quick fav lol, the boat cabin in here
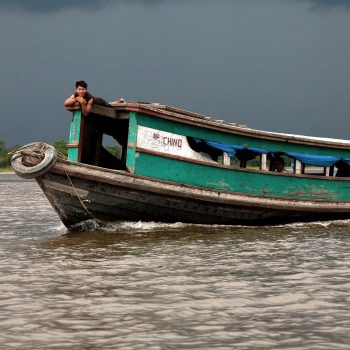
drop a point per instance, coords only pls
(100, 138)
(113, 137)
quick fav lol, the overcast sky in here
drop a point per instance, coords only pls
(279, 65)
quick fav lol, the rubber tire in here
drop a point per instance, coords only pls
(36, 170)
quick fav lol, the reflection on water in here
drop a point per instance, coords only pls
(159, 286)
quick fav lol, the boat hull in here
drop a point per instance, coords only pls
(80, 192)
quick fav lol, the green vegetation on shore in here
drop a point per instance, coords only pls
(5, 157)
(60, 145)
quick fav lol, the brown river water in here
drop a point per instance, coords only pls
(137, 285)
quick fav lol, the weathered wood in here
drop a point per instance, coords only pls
(116, 195)
(104, 111)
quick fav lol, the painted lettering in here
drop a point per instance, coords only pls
(169, 141)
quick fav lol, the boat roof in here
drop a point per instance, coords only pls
(236, 127)
(201, 120)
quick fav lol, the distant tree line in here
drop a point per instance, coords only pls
(5, 157)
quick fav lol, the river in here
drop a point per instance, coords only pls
(137, 285)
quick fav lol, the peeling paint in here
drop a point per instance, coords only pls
(222, 184)
(311, 191)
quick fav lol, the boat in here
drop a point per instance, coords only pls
(173, 165)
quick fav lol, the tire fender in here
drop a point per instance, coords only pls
(27, 172)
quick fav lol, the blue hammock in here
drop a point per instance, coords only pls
(251, 152)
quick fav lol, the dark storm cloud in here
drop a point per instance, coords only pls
(44, 6)
(275, 65)
(47, 6)
(328, 4)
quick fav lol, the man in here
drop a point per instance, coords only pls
(278, 165)
(82, 96)
(85, 99)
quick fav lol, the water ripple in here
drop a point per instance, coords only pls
(135, 285)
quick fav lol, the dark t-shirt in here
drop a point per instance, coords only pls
(87, 96)
(97, 100)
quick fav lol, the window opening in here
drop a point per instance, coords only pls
(281, 164)
(263, 159)
(342, 169)
(111, 145)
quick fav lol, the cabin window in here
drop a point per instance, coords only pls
(241, 161)
(234, 161)
(111, 145)
(248, 159)
(342, 169)
(253, 164)
(307, 169)
(110, 153)
(201, 147)
(263, 159)
(313, 170)
(105, 142)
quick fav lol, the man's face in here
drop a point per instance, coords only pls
(277, 165)
(81, 91)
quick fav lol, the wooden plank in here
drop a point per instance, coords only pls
(116, 200)
(105, 111)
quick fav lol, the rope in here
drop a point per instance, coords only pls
(81, 202)
(36, 151)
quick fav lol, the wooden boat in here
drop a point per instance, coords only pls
(179, 166)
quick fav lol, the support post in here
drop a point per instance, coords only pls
(226, 160)
(298, 167)
(74, 137)
(263, 161)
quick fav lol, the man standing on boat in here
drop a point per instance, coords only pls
(85, 99)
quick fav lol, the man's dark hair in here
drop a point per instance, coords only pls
(81, 83)
(279, 160)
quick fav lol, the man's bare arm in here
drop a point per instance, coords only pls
(85, 106)
(70, 101)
